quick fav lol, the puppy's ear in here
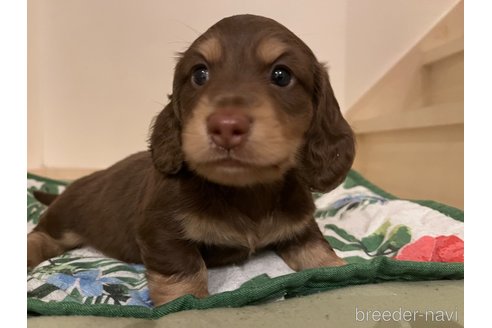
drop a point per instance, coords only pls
(165, 141)
(329, 148)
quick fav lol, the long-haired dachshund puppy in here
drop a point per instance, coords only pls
(252, 127)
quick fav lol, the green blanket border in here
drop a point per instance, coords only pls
(450, 211)
(262, 289)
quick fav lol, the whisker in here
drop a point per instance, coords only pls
(188, 26)
(179, 42)
(158, 102)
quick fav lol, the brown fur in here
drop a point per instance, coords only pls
(178, 208)
(268, 161)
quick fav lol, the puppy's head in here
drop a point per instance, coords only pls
(251, 102)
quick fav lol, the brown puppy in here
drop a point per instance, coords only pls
(251, 129)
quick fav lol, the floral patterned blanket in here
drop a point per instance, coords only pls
(383, 238)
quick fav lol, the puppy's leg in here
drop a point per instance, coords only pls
(222, 255)
(310, 250)
(174, 268)
(164, 288)
(41, 246)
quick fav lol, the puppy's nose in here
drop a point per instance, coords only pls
(228, 130)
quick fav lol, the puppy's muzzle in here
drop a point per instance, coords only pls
(228, 128)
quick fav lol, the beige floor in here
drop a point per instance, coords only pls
(426, 303)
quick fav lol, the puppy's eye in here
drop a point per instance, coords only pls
(281, 76)
(200, 75)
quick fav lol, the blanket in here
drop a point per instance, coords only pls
(383, 238)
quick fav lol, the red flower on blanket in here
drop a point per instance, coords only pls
(433, 249)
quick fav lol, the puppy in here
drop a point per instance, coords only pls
(252, 127)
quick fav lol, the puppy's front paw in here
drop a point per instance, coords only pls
(333, 261)
(164, 288)
(315, 253)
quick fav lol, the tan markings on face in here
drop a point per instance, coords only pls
(211, 50)
(164, 288)
(268, 153)
(270, 49)
(241, 232)
(314, 254)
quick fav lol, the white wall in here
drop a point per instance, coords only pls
(379, 33)
(99, 70)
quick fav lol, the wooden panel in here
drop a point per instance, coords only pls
(444, 50)
(447, 31)
(400, 89)
(443, 80)
(436, 115)
(409, 125)
(422, 163)
(405, 86)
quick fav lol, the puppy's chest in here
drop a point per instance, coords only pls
(241, 231)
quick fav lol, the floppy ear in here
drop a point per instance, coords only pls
(329, 148)
(165, 141)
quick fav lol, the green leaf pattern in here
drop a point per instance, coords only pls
(376, 244)
(35, 208)
(100, 280)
